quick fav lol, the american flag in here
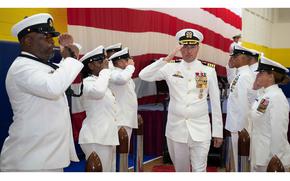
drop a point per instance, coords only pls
(150, 34)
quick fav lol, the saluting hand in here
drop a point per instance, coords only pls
(65, 40)
(67, 48)
(70, 51)
(130, 62)
(171, 55)
(217, 142)
(256, 85)
(105, 64)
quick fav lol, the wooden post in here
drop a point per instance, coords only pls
(244, 151)
(94, 164)
(122, 151)
(138, 146)
(275, 165)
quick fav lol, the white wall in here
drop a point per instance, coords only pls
(281, 35)
(256, 26)
(281, 28)
(266, 26)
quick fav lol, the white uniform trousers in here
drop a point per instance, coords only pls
(192, 152)
(43, 170)
(129, 132)
(235, 139)
(105, 153)
(259, 169)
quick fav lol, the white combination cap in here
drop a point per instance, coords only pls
(189, 36)
(114, 48)
(267, 64)
(239, 49)
(122, 54)
(94, 55)
(237, 36)
(39, 23)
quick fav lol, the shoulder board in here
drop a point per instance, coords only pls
(175, 61)
(208, 64)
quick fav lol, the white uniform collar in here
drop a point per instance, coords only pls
(271, 88)
(117, 68)
(243, 69)
(193, 63)
(254, 66)
(92, 75)
(26, 53)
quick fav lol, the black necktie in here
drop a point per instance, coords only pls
(39, 60)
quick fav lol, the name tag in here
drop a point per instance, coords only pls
(233, 84)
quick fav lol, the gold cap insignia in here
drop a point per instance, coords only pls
(189, 34)
(50, 22)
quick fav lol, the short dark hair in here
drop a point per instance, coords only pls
(86, 71)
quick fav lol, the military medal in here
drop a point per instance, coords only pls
(263, 105)
(234, 82)
(201, 82)
(200, 93)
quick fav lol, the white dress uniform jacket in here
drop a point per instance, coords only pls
(238, 105)
(123, 88)
(270, 118)
(253, 94)
(253, 68)
(101, 109)
(231, 73)
(40, 136)
(187, 113)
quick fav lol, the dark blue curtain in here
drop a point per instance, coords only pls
(286, 88)
(8, 52)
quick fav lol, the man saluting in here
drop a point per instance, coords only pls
(40, 136)
(188, 128)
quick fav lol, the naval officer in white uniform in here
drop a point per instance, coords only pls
(40, 136)
(123, 88)
(99, 130)
(238, 104)
(110, 50)
(270, 117)
(231, 72)
(188, 128)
